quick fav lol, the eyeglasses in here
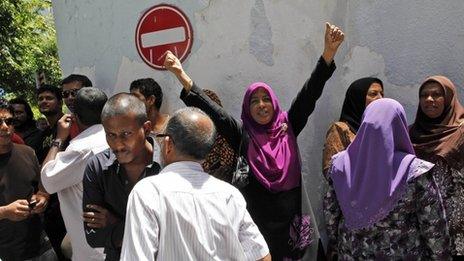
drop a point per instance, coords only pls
(162, 135)
(7, 121)
(72, 92)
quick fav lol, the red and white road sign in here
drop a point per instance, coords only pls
(162, 28)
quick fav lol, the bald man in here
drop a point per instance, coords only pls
(111, 175)
(183, 213)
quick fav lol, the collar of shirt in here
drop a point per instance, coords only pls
(185, 168)
(92, 130)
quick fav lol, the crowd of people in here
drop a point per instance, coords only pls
(116, 179)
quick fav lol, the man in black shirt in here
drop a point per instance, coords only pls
(21, 233)
(50, 104)
(26, 128)
(111, 175)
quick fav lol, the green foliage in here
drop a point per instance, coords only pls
(27, 46)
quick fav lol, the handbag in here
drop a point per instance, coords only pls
(240, 177)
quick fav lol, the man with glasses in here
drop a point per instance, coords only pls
(22, 236)
(70, 86)
(111, 175)
(184, 213)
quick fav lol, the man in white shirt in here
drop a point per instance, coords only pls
(183, 213)
(63, 171)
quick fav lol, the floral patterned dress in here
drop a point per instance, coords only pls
(451, 185)
(337, 139)
(415, 230)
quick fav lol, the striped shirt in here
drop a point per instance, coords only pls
(185, 214)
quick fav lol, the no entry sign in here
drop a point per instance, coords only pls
(162, 28)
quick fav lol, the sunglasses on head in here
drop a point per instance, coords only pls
(72, 92)
(7, 121)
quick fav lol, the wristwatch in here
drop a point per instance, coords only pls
(57, 143)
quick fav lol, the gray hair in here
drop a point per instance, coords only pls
(123, 104)
(190, 138)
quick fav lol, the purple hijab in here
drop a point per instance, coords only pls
(273, 153)
(371, 175)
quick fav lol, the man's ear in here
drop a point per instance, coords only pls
(75, 117)
(147, 128)
(169, 146)
(151, 100)
(77, 121)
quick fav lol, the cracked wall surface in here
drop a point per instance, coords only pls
(237, 43)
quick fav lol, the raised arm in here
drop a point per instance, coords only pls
(55, 173)
(305, 102)
(333, 38)
(194, 96)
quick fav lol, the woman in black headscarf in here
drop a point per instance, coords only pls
(341, 133)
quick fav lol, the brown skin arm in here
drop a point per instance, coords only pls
(64, 126)
(15, 211)
(266, 258)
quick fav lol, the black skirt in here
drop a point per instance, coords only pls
(279, 218)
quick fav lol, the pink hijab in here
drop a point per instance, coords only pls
(273, 153)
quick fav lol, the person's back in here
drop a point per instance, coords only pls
(183, 213)
(413, 230)
(385, 206)
(201, 216)
(63, 169)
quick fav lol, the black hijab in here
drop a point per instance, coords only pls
(355, 102)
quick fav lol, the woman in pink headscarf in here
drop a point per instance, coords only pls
(268, 137)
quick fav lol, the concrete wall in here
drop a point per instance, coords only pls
(276, 41)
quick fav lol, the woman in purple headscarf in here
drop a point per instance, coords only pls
(382, 203)
(268, 137)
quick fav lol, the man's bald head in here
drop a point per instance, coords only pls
(124, 104)
(192, 131)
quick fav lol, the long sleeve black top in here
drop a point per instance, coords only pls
(300, 110)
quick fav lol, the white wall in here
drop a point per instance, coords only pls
(276, 41)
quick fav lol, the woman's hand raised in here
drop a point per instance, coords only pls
(334, 37)
(172, 64)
